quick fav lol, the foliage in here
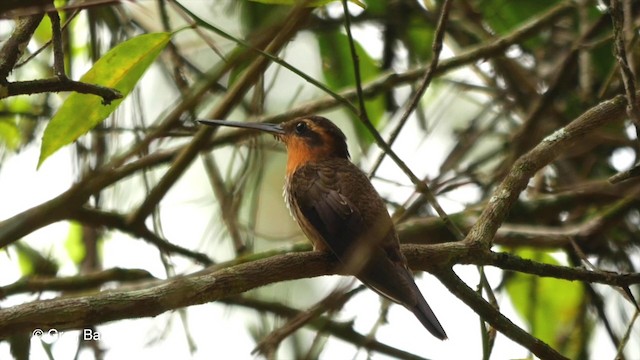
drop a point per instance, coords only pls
(120, 68)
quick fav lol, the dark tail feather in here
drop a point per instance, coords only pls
(394, 281)
(426, 316)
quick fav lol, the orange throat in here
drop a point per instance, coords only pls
(298, 154)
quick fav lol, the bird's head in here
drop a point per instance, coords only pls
(308, 139)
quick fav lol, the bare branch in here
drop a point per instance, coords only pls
(236, 277)
(39, 86)
(74, 283)
(494, 317)
(14, 47)
(113, 221)
(340, 330)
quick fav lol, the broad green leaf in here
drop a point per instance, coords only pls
(337, 67)
(550, 306)
(43, 32)
(73, 244)
(312, 3)
(419, 39)
(10, 136)
(377, 7)
(120, 68)
(19, 104)
(504, 15)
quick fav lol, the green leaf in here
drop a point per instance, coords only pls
(377, 7)
(10, 135)
(120, 68)
(419, 39)
(43, 32)
(74, 244)
(24, 261)
(337, 66)
(504, 15)
(550, 306)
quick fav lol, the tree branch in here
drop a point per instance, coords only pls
(73, 283)
(205, 286)
(506, 261)
(14, 47)
(526, 166)
(340, 330)
(59, 84)
(243, 274)
(113, 221)
(494, 317)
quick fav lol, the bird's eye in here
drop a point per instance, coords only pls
(301, 128)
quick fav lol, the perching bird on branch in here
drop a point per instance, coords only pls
(340, 211)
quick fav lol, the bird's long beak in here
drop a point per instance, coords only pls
(275, 129)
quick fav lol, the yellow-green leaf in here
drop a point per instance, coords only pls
(10, 136)
(26, 267)
(74, 244)
(120, 68)
(550, 306)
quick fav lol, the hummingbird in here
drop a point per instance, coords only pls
(339, 210)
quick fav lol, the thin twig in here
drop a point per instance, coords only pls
(233, 96)
(436, 49)
(494, 317)
(274, 58)
(14, 47)
(224, 200)
(526, 166)
(340, 330)
(628, 77)
(421, 186)
(627, 335)
(56, 38)
(526, 135)
(118, 222)
(506, 261)
(335, 300)
(74, 283)
(46, 44)
(625, 175)
(21, 10)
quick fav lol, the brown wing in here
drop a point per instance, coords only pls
(343, 209)
(316, 194)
